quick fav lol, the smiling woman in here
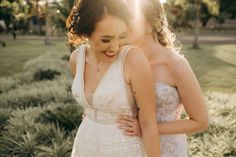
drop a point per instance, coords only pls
(104, 81)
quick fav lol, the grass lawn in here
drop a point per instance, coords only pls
(214, 65)
(17, 52)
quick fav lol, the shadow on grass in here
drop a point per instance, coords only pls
(212, 68)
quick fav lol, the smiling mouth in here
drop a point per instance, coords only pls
(110, 53)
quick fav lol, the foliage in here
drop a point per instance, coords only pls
(182, 12)
(220, 139)
(40, 118)
(45, 75)
(25, 137)
(13, 10)
(5, 114)
(66, 116)
(62, 10)
(36, 94)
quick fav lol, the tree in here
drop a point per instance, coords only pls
(189, 10)
(57, 14)
(48, 30)
(213, 8)
(13, 11)
(62, 10)
(197, 25)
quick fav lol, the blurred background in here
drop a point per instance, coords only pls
(38, 115)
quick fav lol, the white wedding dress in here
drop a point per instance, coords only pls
(98, 134)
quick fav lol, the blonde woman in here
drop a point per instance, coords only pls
(175, 83)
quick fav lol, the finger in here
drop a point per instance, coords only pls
(127, 123)
(125, 117)
(126, 128)
(130, 134)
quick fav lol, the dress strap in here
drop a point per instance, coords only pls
(80, 58)
(124, 52)
(128, 90)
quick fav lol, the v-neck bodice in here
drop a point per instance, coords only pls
(112, 95)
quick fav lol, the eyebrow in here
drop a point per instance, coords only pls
(109, 36)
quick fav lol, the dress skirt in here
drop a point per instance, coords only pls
(95, 139)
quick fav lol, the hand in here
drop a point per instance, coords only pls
(129, 125)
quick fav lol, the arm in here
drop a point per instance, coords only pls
(192, 98)
(140, 77)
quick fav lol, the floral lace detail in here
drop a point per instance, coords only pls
(169, 109)
(169, 104)
(105, 140)
(112, 95)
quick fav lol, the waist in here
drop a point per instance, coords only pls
(105, 117)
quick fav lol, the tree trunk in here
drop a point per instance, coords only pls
(38, 19)
(48, 30)
(197, 26)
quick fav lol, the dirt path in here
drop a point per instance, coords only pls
(185, 38)
(214, 38)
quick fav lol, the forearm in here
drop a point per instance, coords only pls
(181, 126)
(151, 141)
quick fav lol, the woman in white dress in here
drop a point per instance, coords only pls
(175, 83)
(109, 82)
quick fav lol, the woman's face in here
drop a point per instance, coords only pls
(108, 36)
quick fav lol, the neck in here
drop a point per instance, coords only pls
(150, 47)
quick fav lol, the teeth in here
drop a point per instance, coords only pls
(110, 53)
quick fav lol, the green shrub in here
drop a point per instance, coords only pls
(66, 57)
(5, 114)
(51, 61)
(47, 134)
(26, 146)
(25, 137)
(45, 75)
(7, 83)
(36, 94)
(67, 116)
(58, 149)
(19, 138)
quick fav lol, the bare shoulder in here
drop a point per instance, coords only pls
(135, 57)
(73, 61)
(177, 64)
(136, 65)
(73, 57)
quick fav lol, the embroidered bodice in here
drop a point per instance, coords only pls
(111, 98)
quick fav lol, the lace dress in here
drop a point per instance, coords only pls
(169, 109)
(98, 134)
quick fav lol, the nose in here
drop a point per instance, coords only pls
(115, 45)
